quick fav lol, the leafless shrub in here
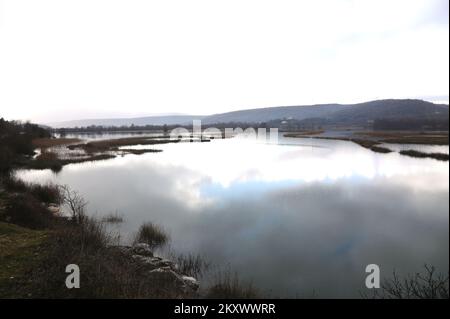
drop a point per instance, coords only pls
(75, 203)
(426, 285)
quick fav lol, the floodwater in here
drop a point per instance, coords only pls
(299, 218)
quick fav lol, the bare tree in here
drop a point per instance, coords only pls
(426, 285)
(75, 203)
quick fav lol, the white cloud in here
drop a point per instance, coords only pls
(75, 59)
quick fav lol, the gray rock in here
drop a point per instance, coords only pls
(191, 282)
(161, 272)
(142, 249)
(162, 263)
(166, 278)
(54, 209)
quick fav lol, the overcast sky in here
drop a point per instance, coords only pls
(62, 60)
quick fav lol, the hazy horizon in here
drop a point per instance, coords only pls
(438, 100)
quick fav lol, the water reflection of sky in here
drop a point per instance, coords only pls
(292, 218)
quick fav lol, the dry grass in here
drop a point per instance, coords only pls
(46, 160)
(96, 150)
(428, 138)
(113, 218)
(113, 144)
(229, 286)
(191, 264)
(139, 152)
(20, 251)
(23, 203)
(25, 210)
(304, 133)
(151, 234)
(44, 143)
(47, 156)
(438, 156)
(50, 160)
(40, 258)
(48, 193)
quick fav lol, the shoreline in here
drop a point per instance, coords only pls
(372, 141)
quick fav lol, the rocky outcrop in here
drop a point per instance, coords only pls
(55, 209)
(162, 271)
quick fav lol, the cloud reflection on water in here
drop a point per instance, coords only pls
(293, 218)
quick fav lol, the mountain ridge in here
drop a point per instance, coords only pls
(350, 114)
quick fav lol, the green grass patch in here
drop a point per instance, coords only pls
(20, 251)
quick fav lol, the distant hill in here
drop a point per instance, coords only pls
(274, 113)
(351, 114)
(331, 114)
(390, 109)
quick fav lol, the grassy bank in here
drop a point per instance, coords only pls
(36, 246)
(21, 250)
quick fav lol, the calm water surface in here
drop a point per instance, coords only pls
(301, 217)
